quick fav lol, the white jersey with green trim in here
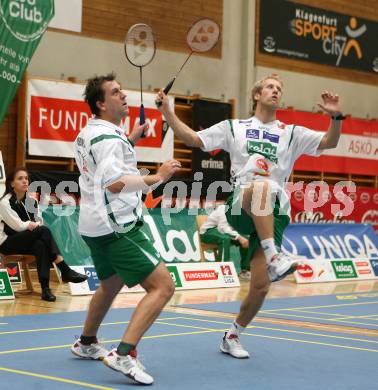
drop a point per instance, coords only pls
(279, 143)
(104, 154)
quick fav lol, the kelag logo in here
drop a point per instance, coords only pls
(344, 269)
(264, 148)
(26, 19)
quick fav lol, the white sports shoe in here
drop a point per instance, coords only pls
(280, 266)
(129, 366)
(231, 345)
(93, 351)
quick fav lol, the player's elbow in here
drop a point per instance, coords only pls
(328, 143)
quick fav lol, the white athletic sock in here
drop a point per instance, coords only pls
(235, 329)
(269, 249)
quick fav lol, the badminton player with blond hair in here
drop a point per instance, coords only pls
(262, 151)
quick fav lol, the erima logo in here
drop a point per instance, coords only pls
(265, 149)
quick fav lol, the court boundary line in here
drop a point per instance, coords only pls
(282, 321)
(54, 378)
(202, 331)
(288, 331)
(64, 327)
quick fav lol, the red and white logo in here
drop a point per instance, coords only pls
(305, 271)
(261, 163)
(370, 216)
(226, 270)
(193, 276)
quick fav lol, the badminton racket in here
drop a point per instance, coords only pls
(140, 49)
(202, 36)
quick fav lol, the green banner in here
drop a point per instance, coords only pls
(174, 234)
(22, 24)
(6, 291)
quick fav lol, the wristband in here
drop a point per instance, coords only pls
(339, 117)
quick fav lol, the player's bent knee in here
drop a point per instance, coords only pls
(168, 289)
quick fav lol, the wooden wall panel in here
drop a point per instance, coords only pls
(169, 19)
(367, 9)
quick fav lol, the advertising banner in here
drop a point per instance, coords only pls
(56, 113)
(14, 273)
(312, 271)
(296, 31)
(357, 150)
(177, 238)
(6, 290)
(214, 164)
(330, 205)
(333, 252)
(331, 241)
(22, 24)
(186, 277)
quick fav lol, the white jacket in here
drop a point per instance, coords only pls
(11, 218)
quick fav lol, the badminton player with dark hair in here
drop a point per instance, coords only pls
(262, 151)
(109, 222)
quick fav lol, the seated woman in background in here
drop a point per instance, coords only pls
(22, 232)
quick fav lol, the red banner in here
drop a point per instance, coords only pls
(357, 151)
(335, 204)
(57, 113)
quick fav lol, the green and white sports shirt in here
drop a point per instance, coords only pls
(279, 143)
(104, 154)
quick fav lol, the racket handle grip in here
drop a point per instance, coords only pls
(169, 86)
(142, 118)
(166, 89)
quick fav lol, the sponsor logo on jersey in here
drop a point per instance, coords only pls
(271, 137)
(252, 133)
(264, 148)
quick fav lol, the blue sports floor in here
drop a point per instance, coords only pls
(356, 310)
(181, 351)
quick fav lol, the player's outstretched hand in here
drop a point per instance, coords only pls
(330, 103)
